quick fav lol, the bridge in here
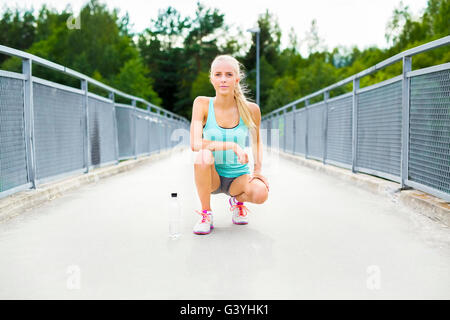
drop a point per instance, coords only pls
(358, 206)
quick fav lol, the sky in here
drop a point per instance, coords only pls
(347, 23)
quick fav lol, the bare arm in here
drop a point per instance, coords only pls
(256, 140)
(257, 146)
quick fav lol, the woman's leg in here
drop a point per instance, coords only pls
(206, 177)
(245, 191)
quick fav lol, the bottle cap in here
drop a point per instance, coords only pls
(173, 194)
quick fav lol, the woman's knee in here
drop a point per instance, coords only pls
(204, 158)
(259, 194)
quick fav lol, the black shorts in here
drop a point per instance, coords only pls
(224, 186)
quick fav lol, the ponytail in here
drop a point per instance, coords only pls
(243, 108)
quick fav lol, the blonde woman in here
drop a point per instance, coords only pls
(219, 128)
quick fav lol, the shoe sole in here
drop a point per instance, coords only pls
(203, 233)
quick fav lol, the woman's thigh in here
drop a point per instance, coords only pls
(256, 189)
(239, 185)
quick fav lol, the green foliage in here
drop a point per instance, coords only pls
(102, 47)
(202, 86)
(133, 79)
(168, 63)
(178, 51)
(17, 30)
(284, 90)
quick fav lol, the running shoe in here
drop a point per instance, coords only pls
(239, 210)
(205, 224)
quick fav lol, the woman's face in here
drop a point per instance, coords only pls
(224, 78)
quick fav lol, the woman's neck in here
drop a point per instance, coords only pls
(224, 101)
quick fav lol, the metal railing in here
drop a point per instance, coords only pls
(49, 130)
(398, 129)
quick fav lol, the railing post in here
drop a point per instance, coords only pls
(307, 125)
(294, 129)
(87, 144)
(116, 127)
(133, 103)
(407, 67)
(158, 116)
(284, 129)
(29, 121)
(354, 123)
(326, 96)
(149, 112)
(166, 129)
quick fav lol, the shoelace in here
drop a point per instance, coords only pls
(243, 210)
(205, 216)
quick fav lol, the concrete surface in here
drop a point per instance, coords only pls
(434, 208)
(19, 202)
(316, 237)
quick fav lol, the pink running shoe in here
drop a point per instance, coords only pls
(240, 211)
(205, 224)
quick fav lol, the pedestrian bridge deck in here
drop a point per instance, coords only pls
(316, 237)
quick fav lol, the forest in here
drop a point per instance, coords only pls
(168, 63)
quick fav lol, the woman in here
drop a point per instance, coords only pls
(219, 128)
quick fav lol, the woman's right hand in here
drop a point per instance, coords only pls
(241, 154)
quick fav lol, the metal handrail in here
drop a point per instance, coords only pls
(41, 61)
(398, 57)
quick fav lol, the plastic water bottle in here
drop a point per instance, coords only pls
(174, 216)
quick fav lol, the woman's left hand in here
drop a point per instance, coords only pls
(259, 176)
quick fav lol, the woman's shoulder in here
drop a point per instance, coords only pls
(201, 100)
(254, 109)
(201, 105)
(253, 106)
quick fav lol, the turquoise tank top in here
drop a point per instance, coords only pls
(226, 161)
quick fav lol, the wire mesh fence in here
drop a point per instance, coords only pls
(13, 165)
(48, 130)
(429, 144)
(398, 129)
(58, 131)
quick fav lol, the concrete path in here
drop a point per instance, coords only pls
(315, 238)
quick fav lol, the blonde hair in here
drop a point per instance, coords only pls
(240, 90)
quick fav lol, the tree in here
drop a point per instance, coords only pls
(285, 90)
(200, 48)
(102, 47)
(17, 30)
(133, 78)
(400, 17)
(179, 51)
(270, 40)
(160, 47)
(202, 86)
